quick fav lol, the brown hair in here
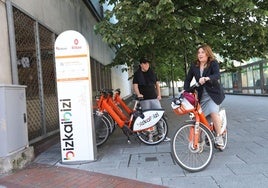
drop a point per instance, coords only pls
(209, 52)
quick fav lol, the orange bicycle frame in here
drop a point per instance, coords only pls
(103, 105)
(195, 131)
(118, 99)
(111, 102)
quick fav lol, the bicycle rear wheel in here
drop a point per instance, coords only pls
(155, 134)
(102, 129)
(186, 156)
(107, 118)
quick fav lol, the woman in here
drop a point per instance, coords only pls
(206, 71)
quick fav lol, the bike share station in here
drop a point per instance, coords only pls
(73, 72)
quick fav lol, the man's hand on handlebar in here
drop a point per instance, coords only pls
(140, 96)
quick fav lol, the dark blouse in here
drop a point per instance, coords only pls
(213, 87)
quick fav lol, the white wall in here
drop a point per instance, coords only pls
(120, 80)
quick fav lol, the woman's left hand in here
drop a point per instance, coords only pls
(203, 80)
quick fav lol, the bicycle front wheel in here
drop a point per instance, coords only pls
(110, 121)
(190, 158)
(102, 129)
(154, 135)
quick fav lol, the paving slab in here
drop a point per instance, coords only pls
(243, 163)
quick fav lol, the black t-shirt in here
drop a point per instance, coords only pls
(146, 82)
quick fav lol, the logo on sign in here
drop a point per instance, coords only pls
(61, 48)
(76, 41)
(66, 122)
(148, 119)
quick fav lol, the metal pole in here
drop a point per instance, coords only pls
(12, 43)
(172, 80)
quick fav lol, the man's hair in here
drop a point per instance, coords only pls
(144, 60)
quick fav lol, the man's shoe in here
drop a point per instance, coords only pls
(219, 141)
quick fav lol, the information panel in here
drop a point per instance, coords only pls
(73, 74)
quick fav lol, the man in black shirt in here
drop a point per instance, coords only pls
(146, 85)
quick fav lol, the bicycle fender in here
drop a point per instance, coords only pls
(222, 114)
(151, 117)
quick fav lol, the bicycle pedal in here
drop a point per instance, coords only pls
(126, 129)
(219, 147)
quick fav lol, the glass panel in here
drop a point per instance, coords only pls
(265, 76)
(244, 78)
(256, 75)
(250, 77)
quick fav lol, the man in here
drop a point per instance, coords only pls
(146, 86)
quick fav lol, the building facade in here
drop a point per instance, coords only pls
(251, 79)
(29, 30)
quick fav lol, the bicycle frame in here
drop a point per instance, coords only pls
(142, 121)
(192, 143)
(118, 100)
(111, 102)
(103, 105)
(199, 118)
(149, 125)
(150, 117)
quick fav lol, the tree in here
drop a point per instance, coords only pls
(168, 32)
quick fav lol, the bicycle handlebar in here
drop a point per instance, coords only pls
(193, 87)
(177, 101)
(135, 97)
(118, 91)
(196, 85)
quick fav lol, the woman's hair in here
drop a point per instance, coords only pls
(209, 52)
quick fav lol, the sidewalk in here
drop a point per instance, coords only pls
(244, 163)
(47, 176)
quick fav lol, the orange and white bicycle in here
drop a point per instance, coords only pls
(193, 143)
(150, 125)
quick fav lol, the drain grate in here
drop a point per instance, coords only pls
(150, 159)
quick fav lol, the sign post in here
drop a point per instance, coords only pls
(73, 74)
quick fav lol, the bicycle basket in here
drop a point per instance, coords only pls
(185, 104)
(190, 97)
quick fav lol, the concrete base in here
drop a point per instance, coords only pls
(176, 91)
(16, 160)
(164, 91)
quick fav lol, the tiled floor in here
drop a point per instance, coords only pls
(45, 176)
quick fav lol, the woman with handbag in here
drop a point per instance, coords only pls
(206, 71)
